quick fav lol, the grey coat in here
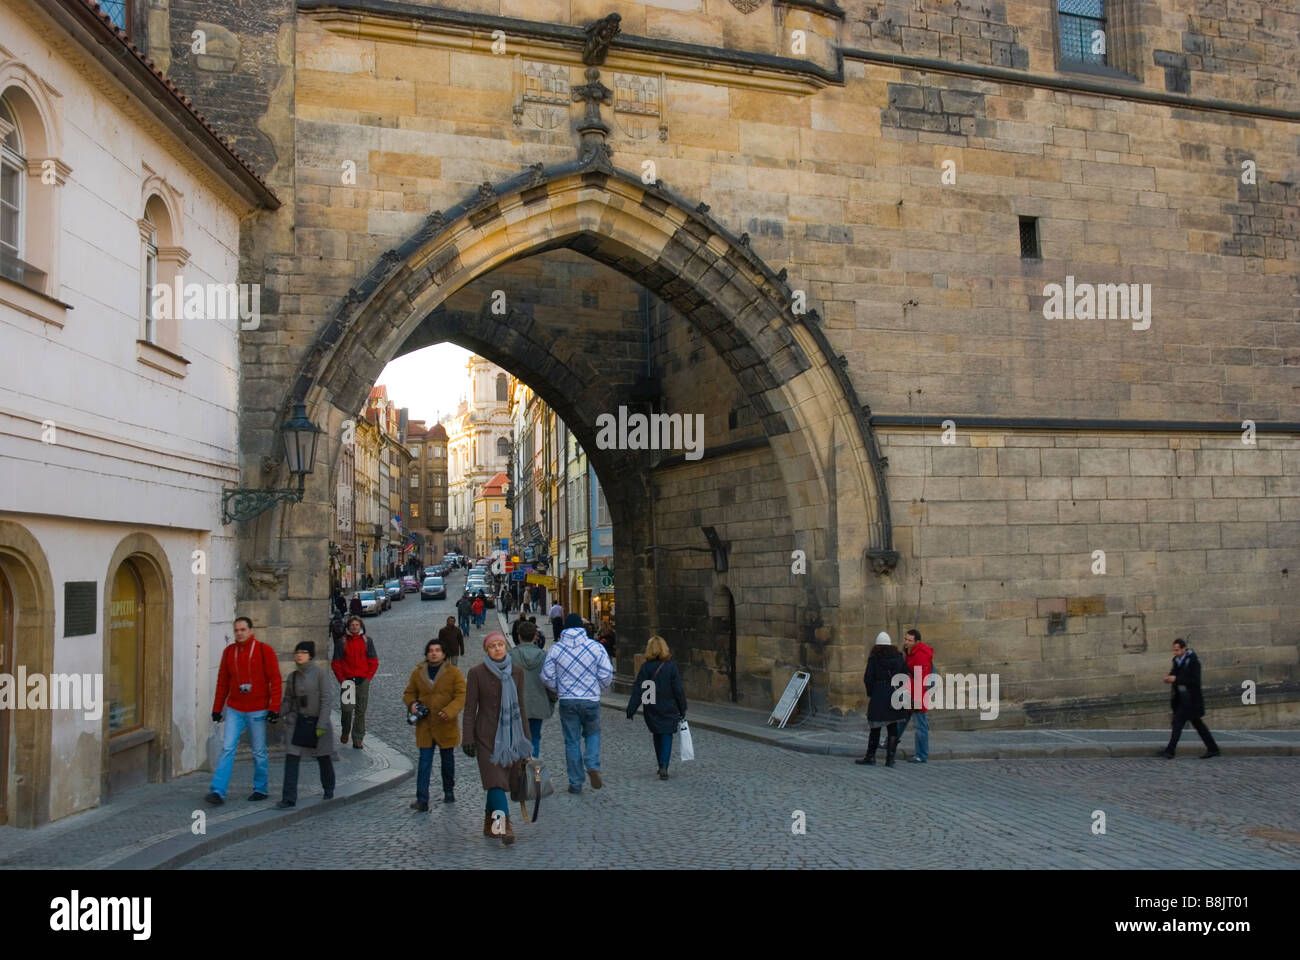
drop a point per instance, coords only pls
(320, 692)
(537, 704)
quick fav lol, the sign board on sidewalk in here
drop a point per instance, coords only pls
(793, 691)
(550, 583)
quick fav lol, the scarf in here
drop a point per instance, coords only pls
(511, 745)
(433, 669)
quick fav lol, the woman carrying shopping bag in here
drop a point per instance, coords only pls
(658, 688)
(493, 730)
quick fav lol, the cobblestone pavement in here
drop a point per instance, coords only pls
(736, 805)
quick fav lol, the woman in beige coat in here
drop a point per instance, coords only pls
(439, 686)
(494, 729)
(309, 693)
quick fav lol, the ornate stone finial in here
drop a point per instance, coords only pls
(536, 174)
(485, 194)
(600, 156)
(599, 36)
(434, 222)
(352, 297)
(744, 239)
(702, 207)
(390, 256)
(780, 277)
(593, 129)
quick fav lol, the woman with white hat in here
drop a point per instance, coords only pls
(883, 664)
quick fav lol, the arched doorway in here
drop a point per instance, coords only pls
(28, 643)
(6, 667)
(810, 441)
(137, 725)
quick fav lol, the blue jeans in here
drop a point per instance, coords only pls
(425, 771)
(463, 622)
(535, 734)
(663, 748)
(580, 720)
(236, 721)
(921, 743)
(496, 800)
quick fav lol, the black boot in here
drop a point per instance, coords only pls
(873, 741)
(891, 746)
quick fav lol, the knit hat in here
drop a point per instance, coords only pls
(882, 639)
(572, 620)
(309, 646)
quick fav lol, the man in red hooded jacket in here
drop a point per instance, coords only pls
(355, 659)
(249, 690)
(920, 664)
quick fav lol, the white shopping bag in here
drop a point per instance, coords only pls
(688, 747)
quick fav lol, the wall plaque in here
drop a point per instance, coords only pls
(79, 614)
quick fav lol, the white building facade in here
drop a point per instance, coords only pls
(118, 415)
(478, 446)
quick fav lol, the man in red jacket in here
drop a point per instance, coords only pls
(354, 660)
(248, 688)
(920, 657)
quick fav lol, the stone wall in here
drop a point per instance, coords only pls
(1197, 537)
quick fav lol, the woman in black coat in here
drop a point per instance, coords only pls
(883, 664)
(658, 687)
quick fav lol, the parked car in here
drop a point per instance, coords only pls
(370, 605)
(410, 584)
(381, 594)
(394, 589)
(431, 571)
(433, 588)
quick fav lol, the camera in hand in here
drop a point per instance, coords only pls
(421, 711)
(245, 688)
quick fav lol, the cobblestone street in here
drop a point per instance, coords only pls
(736, 804)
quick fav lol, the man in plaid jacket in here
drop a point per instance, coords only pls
(578, 669)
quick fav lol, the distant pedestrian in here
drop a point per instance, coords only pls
(608, 640)
(1186, 700)
(307, 698)
(248, 689)
(355, 663)
(557, 621)
(578, 669)
(437, 687)
(658, 687)
(919, 658)
(478, 607)
(883, 664)
(355, 607)
(340, 604)
(539, 703)
(493, 729)
(463, 612)
(452, 640)
(514, 630)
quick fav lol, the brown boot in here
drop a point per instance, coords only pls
(487, 825)
(509, 836)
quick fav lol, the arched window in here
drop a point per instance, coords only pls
(30, 175)
(503, 447)
(161, 261)
(13, 171)
(501, 387)
(126, 651)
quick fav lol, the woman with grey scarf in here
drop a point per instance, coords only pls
(308, 692)
(493, 730)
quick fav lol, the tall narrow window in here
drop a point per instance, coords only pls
(13, 170)
(150, 281)
(1083, 31)
(501, 387)
(1029, 247)
(503, 447)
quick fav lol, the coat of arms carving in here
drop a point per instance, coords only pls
(746, 6)
(541, 94)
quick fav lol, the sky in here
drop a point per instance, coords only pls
(430, 382)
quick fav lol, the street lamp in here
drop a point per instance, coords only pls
(300, 437)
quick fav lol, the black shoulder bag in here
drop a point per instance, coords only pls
(304, 728)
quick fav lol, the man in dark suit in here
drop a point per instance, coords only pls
(1185, 678)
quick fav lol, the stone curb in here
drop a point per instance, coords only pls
(177, 851)
(1052, 752)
